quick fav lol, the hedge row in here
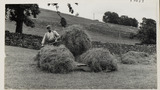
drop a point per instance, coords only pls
(23, 40)
(124, 48)
(34, 42)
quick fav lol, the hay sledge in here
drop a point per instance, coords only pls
(55, 59)
(99, 59)
(76, 39)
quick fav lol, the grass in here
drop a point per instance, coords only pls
(96, 29)
(21, 73)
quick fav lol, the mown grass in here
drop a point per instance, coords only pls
(21, 73)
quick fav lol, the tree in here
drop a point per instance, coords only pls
(111, 17)
(20, 14)
(134, 22)
(147, 32)
(63, 22)
(125, 20)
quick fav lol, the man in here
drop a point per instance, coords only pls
(63, 22)
(50, 37)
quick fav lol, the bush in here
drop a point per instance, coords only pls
(55, 59)
(133, 57)
(76, 39)
(99, 59)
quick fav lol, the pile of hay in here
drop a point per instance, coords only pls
(55, 59)
(133, 57)
(99, 59)
(76, 40)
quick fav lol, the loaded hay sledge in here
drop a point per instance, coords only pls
(55, 59)
(76, 39)
(99, 59)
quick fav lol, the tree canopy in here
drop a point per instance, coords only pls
(147, 32)
(125, 20)
(112, 17)
(20, 13)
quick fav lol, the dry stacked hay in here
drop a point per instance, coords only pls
(99, 59)
(55, 59)
(133, 57)
(76, 40)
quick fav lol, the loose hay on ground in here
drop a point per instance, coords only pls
(76, 39)
(133, 57)
(99, 59)
(55, 59)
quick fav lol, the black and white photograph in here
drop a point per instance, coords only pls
(80, 44)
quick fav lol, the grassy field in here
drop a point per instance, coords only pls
(98, 31)
(21, 73)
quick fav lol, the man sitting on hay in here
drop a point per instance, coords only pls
(50, 37)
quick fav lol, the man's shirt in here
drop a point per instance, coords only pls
(49, 36)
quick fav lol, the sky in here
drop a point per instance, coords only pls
(95, 9)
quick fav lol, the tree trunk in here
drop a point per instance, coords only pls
(19, 21)
(19, 25)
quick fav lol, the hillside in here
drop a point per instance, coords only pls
(98, 31)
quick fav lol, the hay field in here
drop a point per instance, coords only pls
(21, 73)
(98, 31)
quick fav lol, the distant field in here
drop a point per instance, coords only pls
(98, 31)
(21, 73)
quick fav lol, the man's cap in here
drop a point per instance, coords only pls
(48, 26)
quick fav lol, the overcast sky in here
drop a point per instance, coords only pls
(95, 9)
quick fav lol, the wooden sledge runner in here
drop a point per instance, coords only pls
(82, 67)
